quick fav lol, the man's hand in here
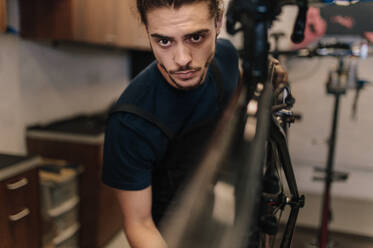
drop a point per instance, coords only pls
(280, 77)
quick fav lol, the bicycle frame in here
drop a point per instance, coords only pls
(296, 201)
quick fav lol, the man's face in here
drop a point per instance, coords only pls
(183, 42)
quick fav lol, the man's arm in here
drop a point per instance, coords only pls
(138, 224)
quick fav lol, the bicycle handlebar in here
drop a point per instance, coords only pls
(337, 49)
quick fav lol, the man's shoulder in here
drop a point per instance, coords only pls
(145, 101)
(225, 43)
(140, 86)
(148, 74)
(226, 54)
(226, 58)
(225, 47)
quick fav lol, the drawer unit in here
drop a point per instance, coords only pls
(80, 141)
(59, 183)
(68, 238)
(67, 218)
(60, 201)
(20, 206)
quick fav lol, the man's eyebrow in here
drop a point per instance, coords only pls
(159, 36)
(202, 31)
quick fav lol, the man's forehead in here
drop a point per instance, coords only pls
(188, 18)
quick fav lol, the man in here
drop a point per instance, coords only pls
(161, 122)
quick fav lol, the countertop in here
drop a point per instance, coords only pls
(11, 165)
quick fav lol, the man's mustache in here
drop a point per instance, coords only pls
(184, 69)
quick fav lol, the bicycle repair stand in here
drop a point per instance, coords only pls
(337, 86)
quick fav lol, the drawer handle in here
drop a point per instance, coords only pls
(17, 185)
(20, 215)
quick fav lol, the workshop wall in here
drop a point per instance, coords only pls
(308, 139)
(40, 83)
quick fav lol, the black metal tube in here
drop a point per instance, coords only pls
(323, 236)
(285, 160)
(287, 167)
(325, 217)
(290, 226)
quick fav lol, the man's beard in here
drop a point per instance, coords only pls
(188, 68)
(185, 68)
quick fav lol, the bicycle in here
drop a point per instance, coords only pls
(251, 127)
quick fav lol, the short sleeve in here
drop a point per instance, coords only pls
(131, 148)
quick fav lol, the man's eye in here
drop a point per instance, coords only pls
(196, 38)
(164, 42)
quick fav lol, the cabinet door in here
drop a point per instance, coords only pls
(93, 21)
(5, 235)
(20, 222)
(2, 16)
(46, 19)
(110, 22)
(130, 32)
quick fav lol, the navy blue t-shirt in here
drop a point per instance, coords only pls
(133, 145)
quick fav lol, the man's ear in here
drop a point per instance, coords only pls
(219, 23)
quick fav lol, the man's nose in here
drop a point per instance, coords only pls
(182, 56)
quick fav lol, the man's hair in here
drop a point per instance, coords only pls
(143, 6)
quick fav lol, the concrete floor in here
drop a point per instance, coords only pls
(354, 223)
(303, 238)
(306, 237)
(119, 241)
